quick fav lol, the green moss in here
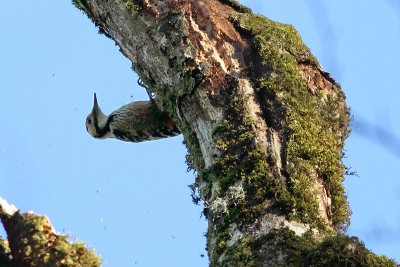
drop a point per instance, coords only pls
(301, 251)
(240, 160)
(237, 6)
(38, 245)
(132, 7)
(5, 254)
(315, 127)
(192, 145)
(81, 5)
(342, 251)
(249, 251)
(241, 254)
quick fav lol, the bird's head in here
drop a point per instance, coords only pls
(96, 121)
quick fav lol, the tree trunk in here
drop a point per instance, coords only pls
(263, 123)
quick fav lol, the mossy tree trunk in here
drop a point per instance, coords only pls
(32, 241)
(263, 123)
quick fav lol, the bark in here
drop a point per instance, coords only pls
(263, 123)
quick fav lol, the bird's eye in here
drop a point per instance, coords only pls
(89, 120)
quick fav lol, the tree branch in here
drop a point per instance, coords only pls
(32, 241)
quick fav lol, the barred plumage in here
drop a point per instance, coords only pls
(135, 122)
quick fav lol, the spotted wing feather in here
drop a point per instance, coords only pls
(141, 121)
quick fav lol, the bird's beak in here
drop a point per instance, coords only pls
(95, 105)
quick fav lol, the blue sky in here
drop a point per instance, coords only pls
(131, 201)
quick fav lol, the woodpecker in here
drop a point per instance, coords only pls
(135, 122)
